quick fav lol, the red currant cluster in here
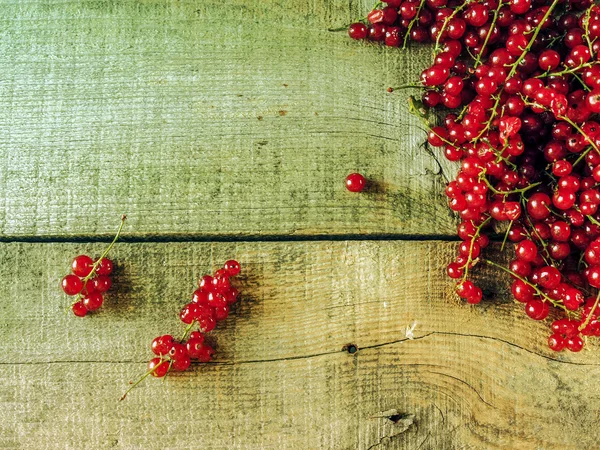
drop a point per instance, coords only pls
(90, 280)
(210, 303)
(522, 79)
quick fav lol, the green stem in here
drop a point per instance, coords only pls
(187, 330)
(142, 378)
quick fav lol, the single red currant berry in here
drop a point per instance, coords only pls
(357, 31)
(206, 283)
(465, 289)
(355, 182)
(526, 250)
(556, 342)
(72, 284)
(454, 270)
(102, 283)
(548, 277)
(538, 206)
(522, 291)
(221, 312)
(194, 346)
(182, 363)
(196, 335)
(79, 309)
(205, 353)
(575, 344)
(177, 351)
(93, 301)
(158, 368)
(189, 313)
(537, 309)
(476, 296)
(232, 267)
(231, 295)
(162, 344)
(105, 267)
(200, 297)
(207, 323)
(82, 265)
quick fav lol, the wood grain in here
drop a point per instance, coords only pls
(202, 118)
(473, 377)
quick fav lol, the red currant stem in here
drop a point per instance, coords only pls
(483, 178)
(142, 378)
(473, 238)
(377, 5)
(594, 221)
(462, 112)
(408, 86)
(582, 156)
(187, 330)
(589, 317)
(585, 86)
(586, 27)
(412, 24)
(535, 288)
(506, 234)
(572, 70)
(488, 35)
(456, 10)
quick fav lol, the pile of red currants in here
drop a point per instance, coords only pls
(210, 303)
(90, 279)
(521, 79)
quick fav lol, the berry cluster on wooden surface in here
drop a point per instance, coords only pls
(90, 280)
(210, 304)
(520, 83)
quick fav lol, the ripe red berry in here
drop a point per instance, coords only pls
(157, 368)
(93, 301)
(82, 265)
(102, 283)
(181, 363)
(71, 284)
(232, 267)
(105, 267)
(205, 353)
(194, 346)
(79, 309)
(355, 182)
(357, 31)
(162, 344)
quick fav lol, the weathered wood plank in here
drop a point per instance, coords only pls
(474, 377)
(207, 118)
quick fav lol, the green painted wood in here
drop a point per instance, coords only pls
(473, 377)
(207, 118)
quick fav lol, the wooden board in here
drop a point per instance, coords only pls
(201, 118)
(473, 377)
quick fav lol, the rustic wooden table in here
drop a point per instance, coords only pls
(225, 129)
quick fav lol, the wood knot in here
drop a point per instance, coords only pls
(350, 348)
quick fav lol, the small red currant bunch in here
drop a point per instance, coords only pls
(90, 280)
(210, 303)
